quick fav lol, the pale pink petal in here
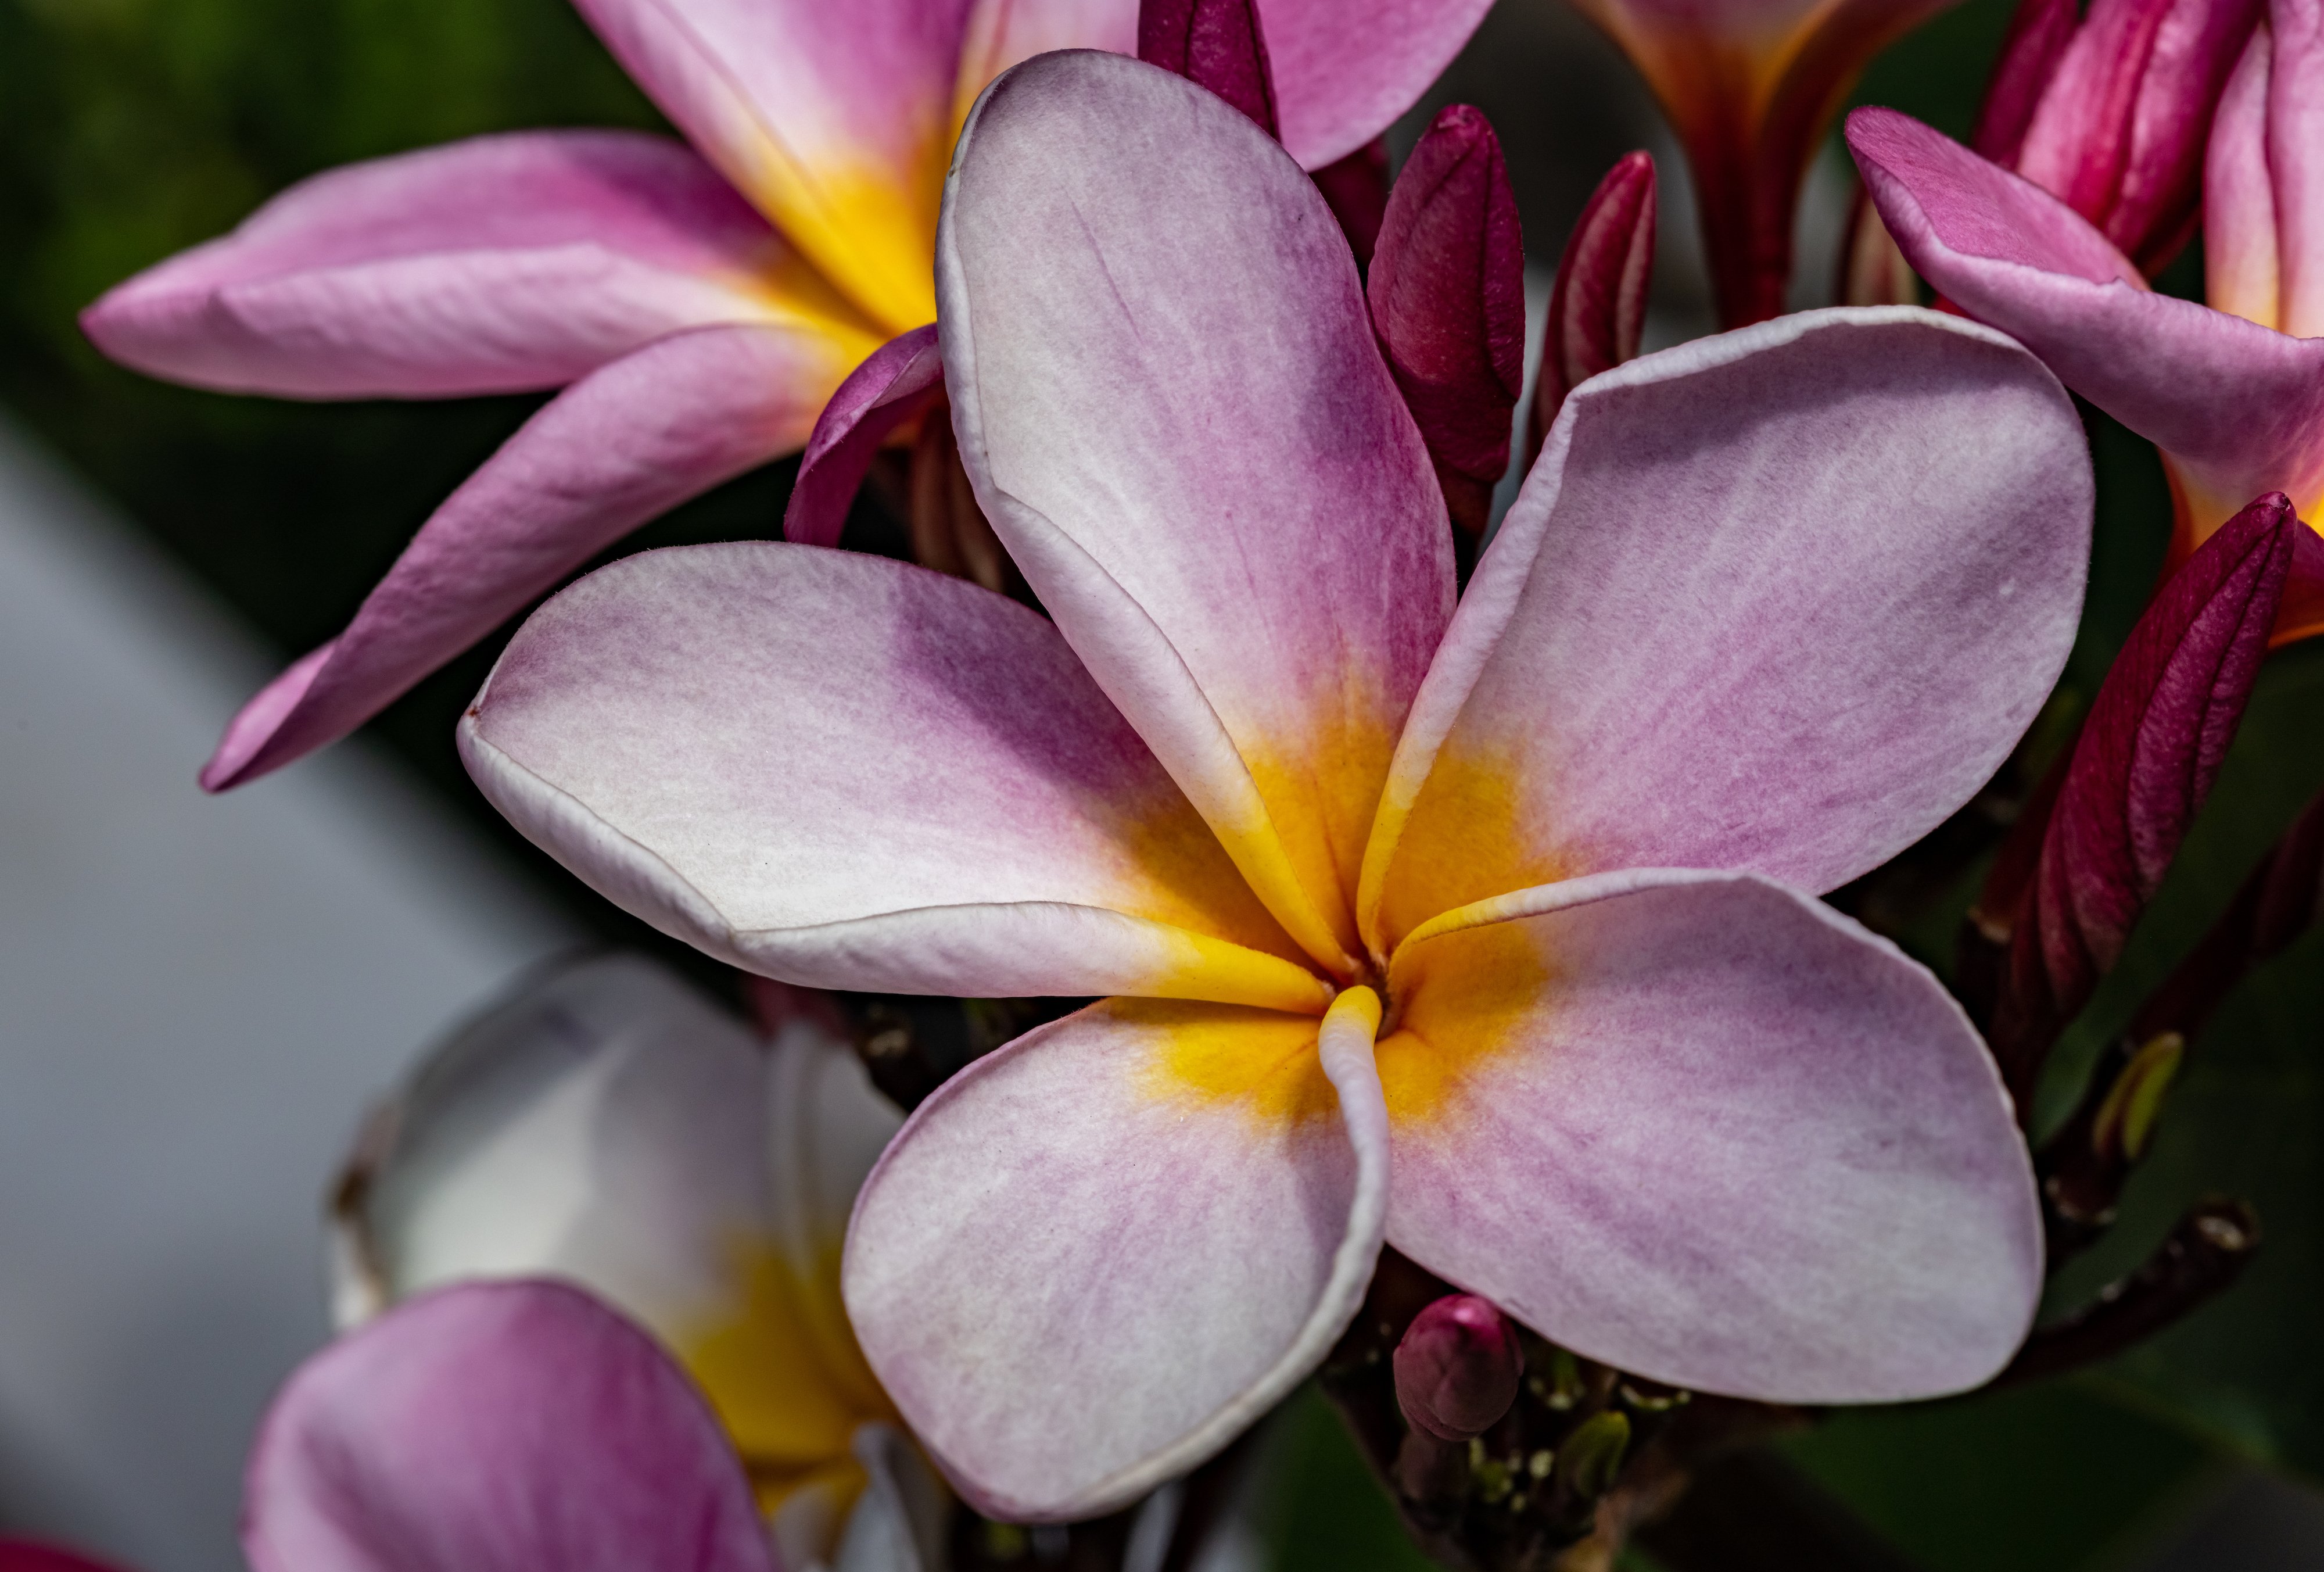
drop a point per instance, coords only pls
(2236, 404)
(621, 446)
(1346, 69)
(835, 119)
(496, 265)
(1168, 396)
(2295, 156)
(1778, 600)
(2240, 270)
(1096, 1256)
(899, 383)
(1705, 1129)
(851, 772)
(1007, 32)
(516, 1426)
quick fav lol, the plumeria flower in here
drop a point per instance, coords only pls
(607, 1126)
(1476, 930)
(1750, 87)
(2233, 393)
(698, 305)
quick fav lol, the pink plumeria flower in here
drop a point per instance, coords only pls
(702, 303)
(2233, 393)
(607, 1126)
(1475, 930)
(1750, 85)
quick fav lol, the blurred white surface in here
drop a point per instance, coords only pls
(197, 998)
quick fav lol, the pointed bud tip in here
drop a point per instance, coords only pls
(1457, 1368)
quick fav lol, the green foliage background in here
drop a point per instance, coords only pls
(131, 128)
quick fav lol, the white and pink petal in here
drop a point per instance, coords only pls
(1095, 1256)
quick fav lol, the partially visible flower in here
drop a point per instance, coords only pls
(2110, 113)
(2234, 396)
(1456, 928)
(702, 303)
(499, 1427)
(32, 1556)
(607, 1125)
(1752, 86)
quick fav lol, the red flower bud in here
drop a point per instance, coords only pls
(1447, 292)
(1598, 309)
(1457, 1368)
(2145, 759)
(1356, 189)
(1217, 43)
(2118, 127)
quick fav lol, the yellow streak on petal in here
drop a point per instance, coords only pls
(1464, 839)
(790, 291)
(1259, 1061)
(872, 236)
(1467, 998)
(790, 1391)
(1322, 790)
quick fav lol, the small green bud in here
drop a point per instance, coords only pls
(1592, 1455)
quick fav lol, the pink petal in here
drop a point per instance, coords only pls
(515, 1427)
(2295, 154)
(902, 380)
(1007, 32)
(621, 446)
(2039, 32)
(1447, 293)
(834, 119)
(1704, 1128)
(1779, 600)
(496, 265)
(1166, 395)
(1345, 70)
(846, 772)
(1096, 1256)
(2240, 267)
(2237, 405)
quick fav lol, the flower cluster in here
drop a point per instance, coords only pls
(1454, 1007)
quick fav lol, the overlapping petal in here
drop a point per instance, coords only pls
(1344, 70)
(1263, 615)
(627, 442)
(903, 378)
(491, 266)
(1703, 1128)
(834, 120)
(850, 772)
(1186, 1218)
(497, 1428)
(1779, 600)
(2236, 405)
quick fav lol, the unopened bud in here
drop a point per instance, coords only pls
(1215, 43)
(1457, 1368)
(1447, 294)
(2117, 132)
(1598, 307)
(2126, 1117)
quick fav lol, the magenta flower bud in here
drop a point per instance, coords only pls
(1457, 1368)
(2116, 130)
(1598, 307)
(2155, 738)
(1217, 43)
(1447, 292)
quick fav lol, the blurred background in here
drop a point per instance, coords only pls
(198, 996)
